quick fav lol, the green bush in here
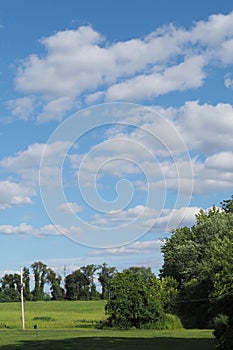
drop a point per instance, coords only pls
(135, 299)
(43, 318)
(165, 322)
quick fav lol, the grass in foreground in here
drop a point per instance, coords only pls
(109, 340)
(70, 325)
(53, 314)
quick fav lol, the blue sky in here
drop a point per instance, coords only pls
(116, 126)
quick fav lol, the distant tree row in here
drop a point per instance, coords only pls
(79, 285)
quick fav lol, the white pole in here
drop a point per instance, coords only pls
(22, 305)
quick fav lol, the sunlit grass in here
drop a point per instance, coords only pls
(52, 314)
(71, 325)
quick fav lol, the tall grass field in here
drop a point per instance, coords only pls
(71, 325)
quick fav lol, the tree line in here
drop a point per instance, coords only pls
(79, 285)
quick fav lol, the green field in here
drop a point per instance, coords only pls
(52, 314)
(71, 325)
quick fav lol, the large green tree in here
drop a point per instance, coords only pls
(57, 292)
(26, 282)
(222, 262)
(40, 271)
(188, 257)
(77, 286)
(90, 286)
(105, 276)
(134, 299)
(10, 290)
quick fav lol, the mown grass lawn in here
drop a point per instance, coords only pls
(65, 325)
(109, 340)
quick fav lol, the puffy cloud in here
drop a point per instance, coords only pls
(221, 161)
(81, 63)
(162, 221)
(186, 75)
(214, 31)
(144, 247)
(55, 109)
(24, 166)
(22, 107)
(22, 229)
(71, 208)
(77, 60)
(206, 128)
(28, 230)
(14, 194)
(214, 174)
(27, 163)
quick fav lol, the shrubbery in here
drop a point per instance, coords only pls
(138, 299)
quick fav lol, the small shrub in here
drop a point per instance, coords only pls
(165, 322)
(43, 318)
(3, 325)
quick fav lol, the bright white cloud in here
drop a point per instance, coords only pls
(55, 109)
(47, 230)
(14, 194)
(214, 31)
(151, 218)
(222, 161)
(214, 174)
(206, 128)
(70, 208)
(81, 61)
(186, 75)
(22, 229)
(145, 247)
(26, 163)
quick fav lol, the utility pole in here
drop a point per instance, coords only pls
(22, 304)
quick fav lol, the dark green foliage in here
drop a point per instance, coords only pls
(80, 284)
(105, 276)
(88, 272)
(39, 270)
(223, 331)
(201, 260)
(190, 258)
(26, 282)
(10, 290)
(57, 292)
(134, 299)
(221, 323)
(227, 205)
(76, 285)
